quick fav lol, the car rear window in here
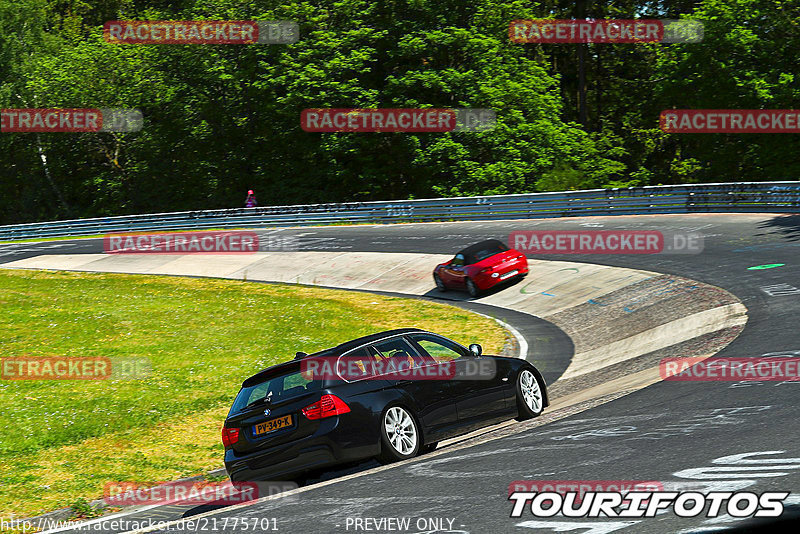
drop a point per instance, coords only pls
(278, 387)
(356, 364)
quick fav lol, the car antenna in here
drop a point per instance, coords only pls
(300, 355)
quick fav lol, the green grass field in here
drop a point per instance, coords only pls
(61, 441)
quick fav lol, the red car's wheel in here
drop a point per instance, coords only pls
(472, 288)
(439, 284)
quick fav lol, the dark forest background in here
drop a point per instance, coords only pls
(222, 119)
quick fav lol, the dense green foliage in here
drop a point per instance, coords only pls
(221, 119)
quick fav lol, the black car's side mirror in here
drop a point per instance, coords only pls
(476, 349)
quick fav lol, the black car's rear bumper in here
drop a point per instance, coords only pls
(333, 443)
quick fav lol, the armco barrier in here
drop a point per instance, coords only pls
(776, 197)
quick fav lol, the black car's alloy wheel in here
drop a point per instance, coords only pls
(399, 435)
(530, 402)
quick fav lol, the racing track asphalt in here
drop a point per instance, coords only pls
(687, 435)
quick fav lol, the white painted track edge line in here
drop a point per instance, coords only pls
(523, 345)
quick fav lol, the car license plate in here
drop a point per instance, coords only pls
(272, 425)
(508, 274)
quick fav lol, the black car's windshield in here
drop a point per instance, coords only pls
(275, 389)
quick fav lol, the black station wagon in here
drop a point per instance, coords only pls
(286, 422)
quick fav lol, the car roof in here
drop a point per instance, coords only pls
(478, 246)
(333, 351)
(344, 347)
(470, 251)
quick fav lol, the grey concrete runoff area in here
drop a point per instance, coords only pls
(598, 325)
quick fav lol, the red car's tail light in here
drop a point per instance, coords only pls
(230, 436)
(327, 406)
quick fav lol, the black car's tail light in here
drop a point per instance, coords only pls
(327, 406)
(230, 436)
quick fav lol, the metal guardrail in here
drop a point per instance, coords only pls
(776, 197)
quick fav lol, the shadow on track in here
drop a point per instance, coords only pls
(787, 225)
(309, 479)
(462, 295)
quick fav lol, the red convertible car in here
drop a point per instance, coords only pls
(480, 267)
